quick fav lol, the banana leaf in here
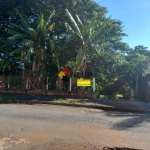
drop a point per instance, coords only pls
(48, 21)
(19, 36)
(11, 31)
(19, 27)
(51, 27)
(19, 50)
(23, 22)
(32, 32)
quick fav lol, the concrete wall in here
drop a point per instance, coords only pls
(72, 94)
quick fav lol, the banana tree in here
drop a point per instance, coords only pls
(94, 35)
(32, 41)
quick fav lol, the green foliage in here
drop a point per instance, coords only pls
(6, 99)
(14, 82)
(65, 101)
(48, 34)
(77, 103)
(31, 43)
(58, 100)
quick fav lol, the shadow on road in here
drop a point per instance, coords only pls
(130, 120)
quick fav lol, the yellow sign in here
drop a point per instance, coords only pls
(61, 74)
(83, 82)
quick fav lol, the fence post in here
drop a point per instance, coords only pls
(93, 84)
(27, 84)
(8, 83)
(70, 84)
(47, 84)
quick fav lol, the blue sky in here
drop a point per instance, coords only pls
(135, 15)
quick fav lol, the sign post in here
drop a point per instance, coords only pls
(93, 84)
(47, 84)
(27, 84)
(8, 83)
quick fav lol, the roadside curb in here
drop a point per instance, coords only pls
(87, 106)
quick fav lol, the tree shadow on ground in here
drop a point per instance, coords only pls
(131, 120)
(119, 103)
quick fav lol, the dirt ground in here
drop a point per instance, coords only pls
(32, 127)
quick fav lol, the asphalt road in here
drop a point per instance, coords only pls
(48, 127)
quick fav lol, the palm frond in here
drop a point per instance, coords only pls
(48, 21)
(79, 20)
(69, 28)
(10, 31)
(19, 36)
(19, 27)
(8, 43)
(19, 50)
(41, 22)
(32, 32)
(73, 21)
(23, 22)
(51, 27)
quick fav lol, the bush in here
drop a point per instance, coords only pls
(14, 81)
(6, 99)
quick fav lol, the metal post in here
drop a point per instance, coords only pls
(132, 94)
(70, 84)
(47, 84)
(8, 83)
(27, 84)
(93, 84)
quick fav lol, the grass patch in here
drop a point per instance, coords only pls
(76, 103)
(118, 96)
(102, 96)
(64, 100)
(59, 100)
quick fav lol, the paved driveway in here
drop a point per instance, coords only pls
(47, 127)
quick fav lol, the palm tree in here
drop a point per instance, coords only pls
(33, 43)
